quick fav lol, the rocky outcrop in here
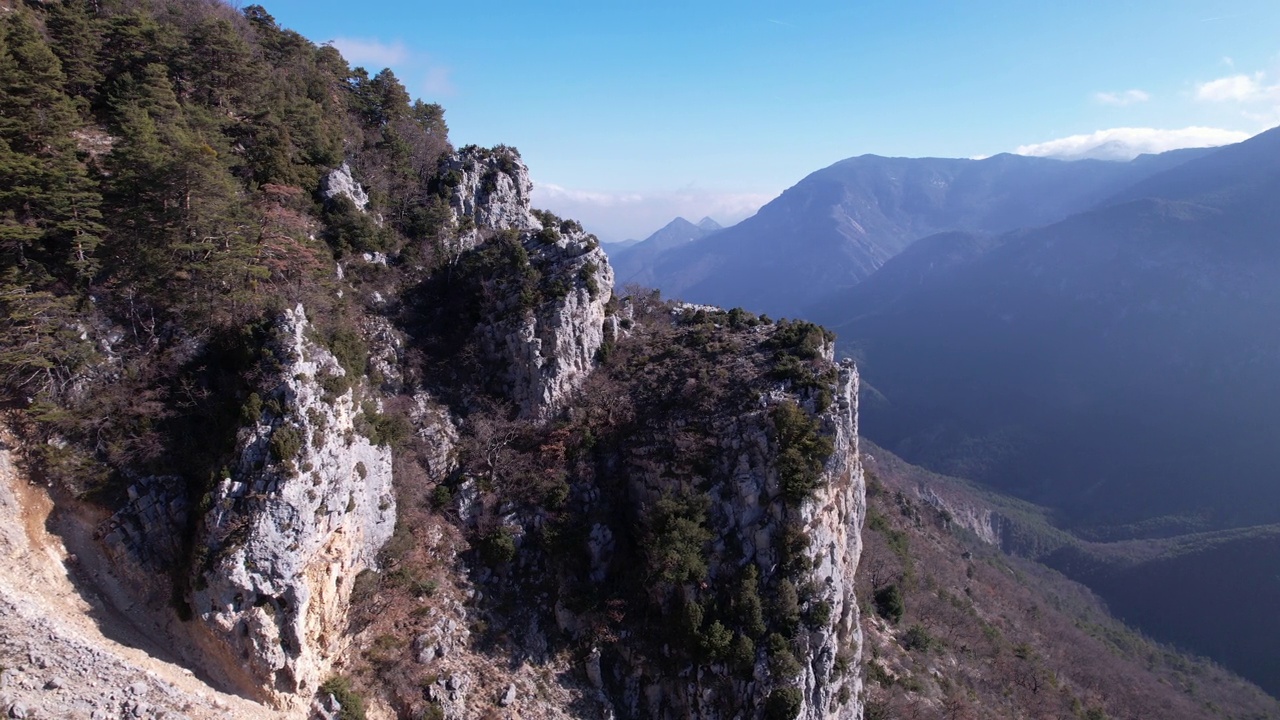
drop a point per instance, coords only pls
(833, 519)
(305, 509)
(752, 521)
(551, 350)
(988, 525)
(549, 347)
(339, 183)
(490, 189)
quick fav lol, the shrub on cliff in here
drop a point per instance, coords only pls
(890, 604)
(783, 704)
(352, 705)
(802, 450)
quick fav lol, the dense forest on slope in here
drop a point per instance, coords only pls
(162, 197)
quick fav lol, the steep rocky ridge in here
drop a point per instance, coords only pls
(306, 508)
(526, 292)
(678, 498)
(488, 190)
(333, 412)
(280, 538)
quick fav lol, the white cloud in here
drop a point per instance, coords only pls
(1256, 96)
(416, 70)
(367, 52)
(1128, 143)
(1128, 97)
(621, 216)
(1236, 88)
(436, 81)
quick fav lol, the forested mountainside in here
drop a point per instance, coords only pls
(959, 629)
(331, 415)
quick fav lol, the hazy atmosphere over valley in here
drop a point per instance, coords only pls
(575, 360)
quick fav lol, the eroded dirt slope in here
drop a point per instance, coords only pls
(64, 652)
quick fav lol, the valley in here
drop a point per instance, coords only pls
(1115, 367)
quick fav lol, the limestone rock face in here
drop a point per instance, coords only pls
(750, 521)
(340, 183)
(306, 508)
(551, 350)
(145, 535)
(834, 519)
(491, 188)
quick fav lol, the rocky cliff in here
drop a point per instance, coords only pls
(697, 530)
(488, 189)
(304, 510)
(750, 513)
(332, 416)
(710, 457)
(550, 350)
(541, 321)
(834, 518)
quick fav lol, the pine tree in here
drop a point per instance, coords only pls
(49, 207)
(19, 180)
(187, 238)
(219, 66)
(40, 347)
(36, 116)
(77, 39)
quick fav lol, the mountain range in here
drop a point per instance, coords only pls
(1096, 338)
(633, 261)
(837, 226)
(1141, 333)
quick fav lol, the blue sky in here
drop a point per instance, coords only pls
(631, 113)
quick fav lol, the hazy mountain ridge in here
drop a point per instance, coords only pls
(840, 224)
(1152, 280)
(632, 262)
(1119, 367)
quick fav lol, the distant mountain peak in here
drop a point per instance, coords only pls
(679, 223)
(633, 263)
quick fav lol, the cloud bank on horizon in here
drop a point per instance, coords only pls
(1255, 97)
(1127, 143)
(615, 217)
